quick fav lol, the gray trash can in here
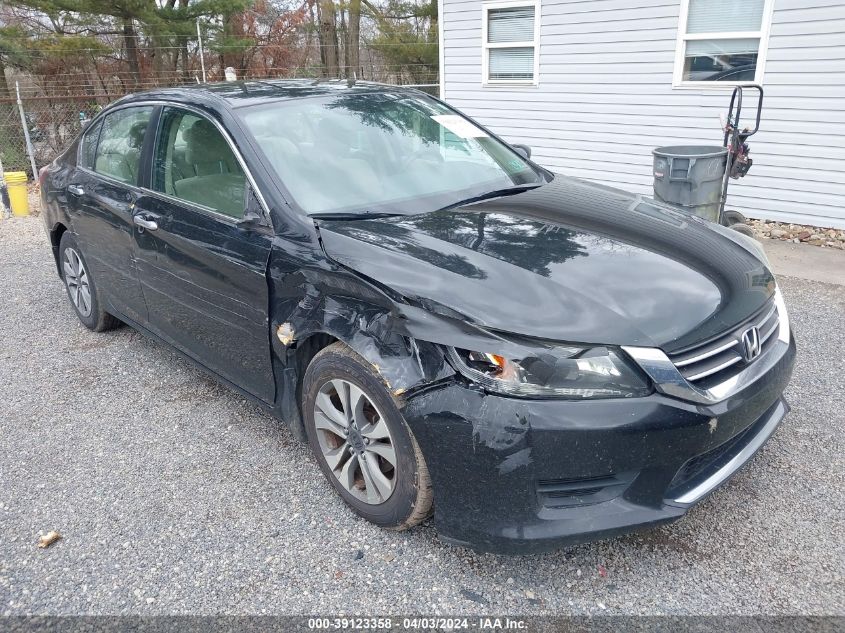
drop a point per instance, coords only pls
(690, 177)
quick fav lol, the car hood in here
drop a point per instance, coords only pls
(568, 261)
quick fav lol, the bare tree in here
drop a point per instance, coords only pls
(327, 15)
(130, 42)
(353, 39)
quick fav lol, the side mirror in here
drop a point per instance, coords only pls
(250, 220)
(253, 216)
(522, 150)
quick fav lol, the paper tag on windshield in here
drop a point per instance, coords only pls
(459, 126)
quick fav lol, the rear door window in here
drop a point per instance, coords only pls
(118, 153)
(195, 163)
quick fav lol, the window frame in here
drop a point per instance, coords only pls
(678, 82)
(145, 170)
(89, 171)
(197, 206)
(90, 133)
(487, 46)
(249, 185)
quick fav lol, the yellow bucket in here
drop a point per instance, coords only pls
(16, 184)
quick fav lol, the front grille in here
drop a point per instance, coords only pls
(710, 363)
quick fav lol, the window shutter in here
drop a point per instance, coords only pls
(724, 16)
(510, 25)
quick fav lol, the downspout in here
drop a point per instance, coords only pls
(441, 48)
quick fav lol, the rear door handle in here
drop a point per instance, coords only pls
(76, 190)
(145, 223)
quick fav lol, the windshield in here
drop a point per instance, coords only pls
(381, 152)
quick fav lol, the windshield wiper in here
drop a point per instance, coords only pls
(496, 193)
(368, 215)
(352, 215)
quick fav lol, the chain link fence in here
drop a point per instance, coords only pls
(12, 142)
(52, 123)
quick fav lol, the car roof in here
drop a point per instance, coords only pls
(250, 92)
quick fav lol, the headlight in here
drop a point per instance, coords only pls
(554, 372)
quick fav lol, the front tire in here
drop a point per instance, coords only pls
(81, 288)
(361, 441)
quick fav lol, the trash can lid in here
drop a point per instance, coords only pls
(14, 177)
(690, 151)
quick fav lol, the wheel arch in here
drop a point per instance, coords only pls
(399, 361)
(55, 233)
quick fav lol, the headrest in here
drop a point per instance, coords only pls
(136, 134)
(204, 143)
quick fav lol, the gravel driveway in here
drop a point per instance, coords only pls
(174, 495)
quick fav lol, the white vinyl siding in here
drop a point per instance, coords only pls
(510, 53)
(606, 99)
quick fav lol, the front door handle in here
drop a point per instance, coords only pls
(76, 190)
(144, 223)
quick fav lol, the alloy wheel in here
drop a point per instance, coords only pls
(355, 441)
(76, 279)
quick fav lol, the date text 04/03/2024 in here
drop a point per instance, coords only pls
(421, 623)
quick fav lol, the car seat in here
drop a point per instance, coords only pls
(207, 152)
(218, 181)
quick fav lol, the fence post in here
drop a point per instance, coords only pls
(5, 206)
(202, 54)
(26, 134)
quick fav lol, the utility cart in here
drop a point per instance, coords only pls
(695, 178)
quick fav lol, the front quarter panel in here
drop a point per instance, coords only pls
(311, 296)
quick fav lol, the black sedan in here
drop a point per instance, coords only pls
(536, 359)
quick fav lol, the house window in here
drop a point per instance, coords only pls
(510, 32)
(722, 41)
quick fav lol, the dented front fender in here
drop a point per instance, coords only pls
(400, 341)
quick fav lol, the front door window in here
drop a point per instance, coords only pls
(194, 162)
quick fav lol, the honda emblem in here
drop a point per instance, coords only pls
(751, 344)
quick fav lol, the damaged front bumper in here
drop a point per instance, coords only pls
(515, 475)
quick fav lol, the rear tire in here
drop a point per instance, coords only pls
(81, 287)
(744, 229)
(731, 217)
(354, 422)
